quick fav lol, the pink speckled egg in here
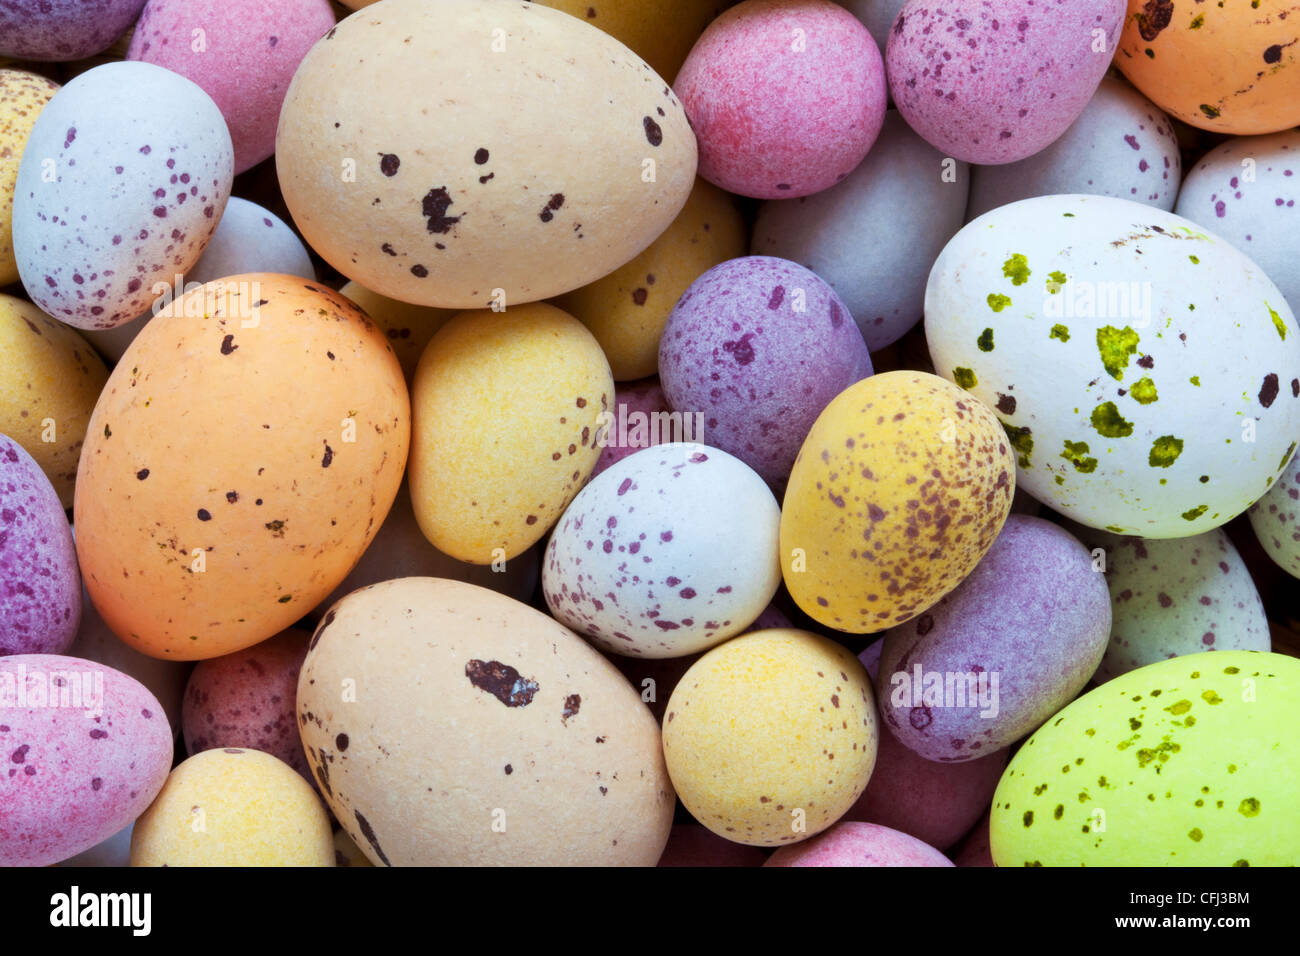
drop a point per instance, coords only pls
(785, 97)
(756, 348)
(85, 750)
(249, 50)
(690, 844)
(40, 586)
(859, 844)
(994, 81)
(640, 418)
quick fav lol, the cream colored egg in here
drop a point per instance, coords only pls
(408, 327)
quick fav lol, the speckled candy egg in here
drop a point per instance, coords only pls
(123, 181)
(1188, 762)
(1275, 519)
(874, 236)
(506, 406)
(1121, 145)
(1231, 68)
(407, 327)
(900, 488)
(22, 97)
(50, 379)
(771, 737)
(627, 309)
(570, 155)
(63, 29)
(640, 418)
(1246, 191)
(638, 562)
(993, 81)
(234, 807)
(237, 465)
(1141, 367)
(1009, 647)
(758, 346)
(786, 97)
(1175, 596)
(40, 588)
(88, 748)
(529, 748)
(859, 844)
(248, 53)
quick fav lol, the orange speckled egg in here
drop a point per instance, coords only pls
(1229, 67)
(242, 456)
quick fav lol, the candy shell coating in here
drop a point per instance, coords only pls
(22, 97)
(859, 844)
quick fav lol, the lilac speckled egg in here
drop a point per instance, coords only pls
(40, 585)
(246, 699)
(859, 844)
(996, 657)
(975, 850)
(993, 81)
(640, 418)
(874, 237)
(123, 181)
(1121, 145)
(85, 750)
(250, 50)
(690, 844)
(63, 29)
(668, 552)
(1275, 519)
(785, 97)
(1247, 191)
(757, 347)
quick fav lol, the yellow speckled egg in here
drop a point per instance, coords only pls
(22, 97)
(505, 411)
(408, 327)
(233, 807)
(550, 156)
(50, 378)
(1228, 67)
(899, 489)
(244, 453)
(771, 737)
(627, 309)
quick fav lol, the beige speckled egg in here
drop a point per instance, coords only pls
(771, 737)
(233, 807)
(22, 97)
(244, 453)
(505, 412)
(448, 725)
(550, 155)
(50, 378)
(408, 327)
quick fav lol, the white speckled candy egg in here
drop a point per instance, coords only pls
(124, 179)
(668, 552)
(1121, 145)
(1275, 519)
(1141, 367)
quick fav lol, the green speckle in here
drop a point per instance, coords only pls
(1189, 721)
(985, 341)
(1164, 451)
(1055, 280)
(1210, 111)
(1068, 215)
(1232, 670)
(1016, 269)
(1114, 528)
(1247, 808)
(1197, 22)
(1195, 260)
(1060, 332)
(1040, 789)
(1287, 457)
(107, 432)
(1245, 863)
(194, 637)
(965, 378)
(1134, 723)
(1277, 322)
(998, 302)
(1059, 479)
(1109, 422)
(1195, 380)
(1195, 834)
(1029, 818)
(1075, 452)
(1022, 441)
(1144, 391)
(1232, 768)
(1059, 811)
(1116, 347)
(1195, 513)
(1210, 697)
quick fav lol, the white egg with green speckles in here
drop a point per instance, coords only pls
(1145, 370)
(1276, 520)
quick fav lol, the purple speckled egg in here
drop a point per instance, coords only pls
(640, 418)
(690, 844)
(63, 29)
(859, 844)
(40, 586)
(246, 699)
(757, 347)
(85, 750)
(994, 81)
(1012, 645)
(785, 97)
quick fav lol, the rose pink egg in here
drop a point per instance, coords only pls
(859, 844)
(690, 844)
(637, 421)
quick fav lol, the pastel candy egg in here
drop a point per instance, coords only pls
(859, 844)
(771, 737)
(1275, 519)
(993, 659)
(50, 380)
(141, 169)
(40, 588)
(487, 482)
(635, 563)
(758, 347)
(407, 327)
(249, 54)
(994, 81)
(1121, 145)
(63, 29)
(900, 488)
(86, 749)
(233, 807)
(641, 418)
(1140, 366)
(692, 845)
(22, 97)
(785, 97)
(873, 237)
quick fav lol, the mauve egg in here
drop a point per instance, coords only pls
(640, 418)
(859, 844)
(63, 29)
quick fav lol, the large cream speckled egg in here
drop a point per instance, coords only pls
(22, 97)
